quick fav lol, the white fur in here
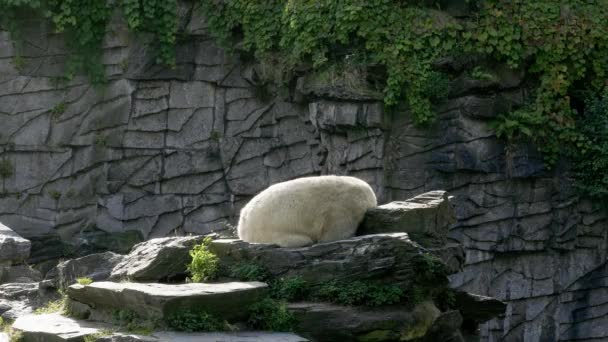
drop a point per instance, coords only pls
(306, 210)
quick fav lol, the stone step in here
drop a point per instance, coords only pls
(54, 327)
(159, 301)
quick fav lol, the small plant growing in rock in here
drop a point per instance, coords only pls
(96, 336)
(204, 265)
(132, 322)
(445, 300)
(58, 110)
(6, 168)
(100, 140)
(270, 314)
(84, 281)
(215, 135)
(429, 269)
(16, 336)
(199, 320)
(290, 289)
(359, 293)
(18, 62)
(51, 307)
(248, 272)
(124, 65)
(55, 194)
(480, 74)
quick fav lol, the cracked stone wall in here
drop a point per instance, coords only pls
(157, 152)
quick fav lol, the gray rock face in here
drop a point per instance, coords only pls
(158, 301)
(98, 267)
(327, 322)
(13, 248)
(156, 259)
(425, 217)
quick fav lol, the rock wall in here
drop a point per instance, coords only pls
(157, 152)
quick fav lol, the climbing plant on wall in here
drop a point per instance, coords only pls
(84, 23)
(563, 46)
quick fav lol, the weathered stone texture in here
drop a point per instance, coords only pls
(328, 322)
(156, 259)
(97, 267)
(528, 237)
(173, 151)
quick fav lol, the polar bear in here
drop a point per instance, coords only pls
(307, 210)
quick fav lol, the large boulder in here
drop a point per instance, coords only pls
(98, 267)
(13, 248)
(159, 301)
(328, 322)
(427, 218)
(156, 259)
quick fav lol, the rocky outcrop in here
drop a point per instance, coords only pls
(97, 267)
(403, 283)
(426, 218)
(156, 259)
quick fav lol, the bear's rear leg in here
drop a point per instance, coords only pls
(293, 240)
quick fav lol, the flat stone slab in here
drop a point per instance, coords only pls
(54, 327)
(253, 336)
(426, 215)
(157, 301)
(13, 248)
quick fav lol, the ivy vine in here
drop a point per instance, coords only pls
(562, 44)
(84, 24)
